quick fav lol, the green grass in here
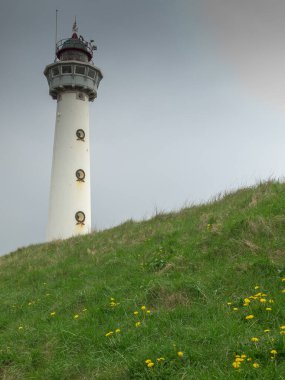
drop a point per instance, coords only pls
(184, 267)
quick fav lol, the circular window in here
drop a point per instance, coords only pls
(80, 217)
(80, 134)
(80, 175)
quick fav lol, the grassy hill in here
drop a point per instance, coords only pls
(177, 297)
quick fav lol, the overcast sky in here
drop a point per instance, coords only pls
(192, 103)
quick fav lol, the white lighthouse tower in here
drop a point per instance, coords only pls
(73, 81)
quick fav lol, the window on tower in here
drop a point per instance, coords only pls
(80, 134)
(91, 73)
(80, 70)
(66, 69)
(55, 71)
(80, 175)
(80, 217)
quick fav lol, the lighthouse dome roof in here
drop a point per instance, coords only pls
(74, 43)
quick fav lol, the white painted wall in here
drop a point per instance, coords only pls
(67, 195)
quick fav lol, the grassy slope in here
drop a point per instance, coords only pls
(184, 267)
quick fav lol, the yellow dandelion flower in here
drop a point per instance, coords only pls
(283, 279)
(239, 360)
(271, 301)
(138, 324)
(282, 327)
(117, 331)
(180, 354)
(243, 356)
(262, 300)
(235, 309)
(110, 333)
(263, 294)
(148, 311)
(283, 291)
(229, 303)
(250, 316)
(136, 312)
(143, 307)
(112, 299)
(256, 287)
(273, 352)
(254, 339)
(249, 359)
(148, 361)
(268, 309)
(246, 300)
(256, 365)
(245, 304)
(282, 332)
(53, 313)
(267, 330)
(76, 316)
(160, 359)
(151, 364)
(20, 327)
(236, 364)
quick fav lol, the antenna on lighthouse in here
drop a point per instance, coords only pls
(75, 27)
(55, 34)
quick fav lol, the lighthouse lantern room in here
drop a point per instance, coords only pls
(73, 81)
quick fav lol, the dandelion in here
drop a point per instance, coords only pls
(117, 331)
(236, 364)
(148, 311)
(110, 333)
(268, 309)
(235, 308)
(254, 339)
(143, 307)
(246, 300)
(250, 316)
(249, 359)
(283, 279)
(148, 361)
(180, 354)
(151, 364)
(283, 291)
(112, 299)
(256, 287)
(262, 300)
(282, 332)
(137, 324)
(75, 316)
(160, 359)
(271, 301)
(136, 312)
(53, 313)
(267, 330)
(256, 365)
(20, 327)
(229, 303)
(84, 310)
(282, 327)
(243, 356)
(273, 352)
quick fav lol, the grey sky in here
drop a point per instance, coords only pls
(191, 104)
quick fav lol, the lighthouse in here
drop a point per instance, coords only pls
(73, 81)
